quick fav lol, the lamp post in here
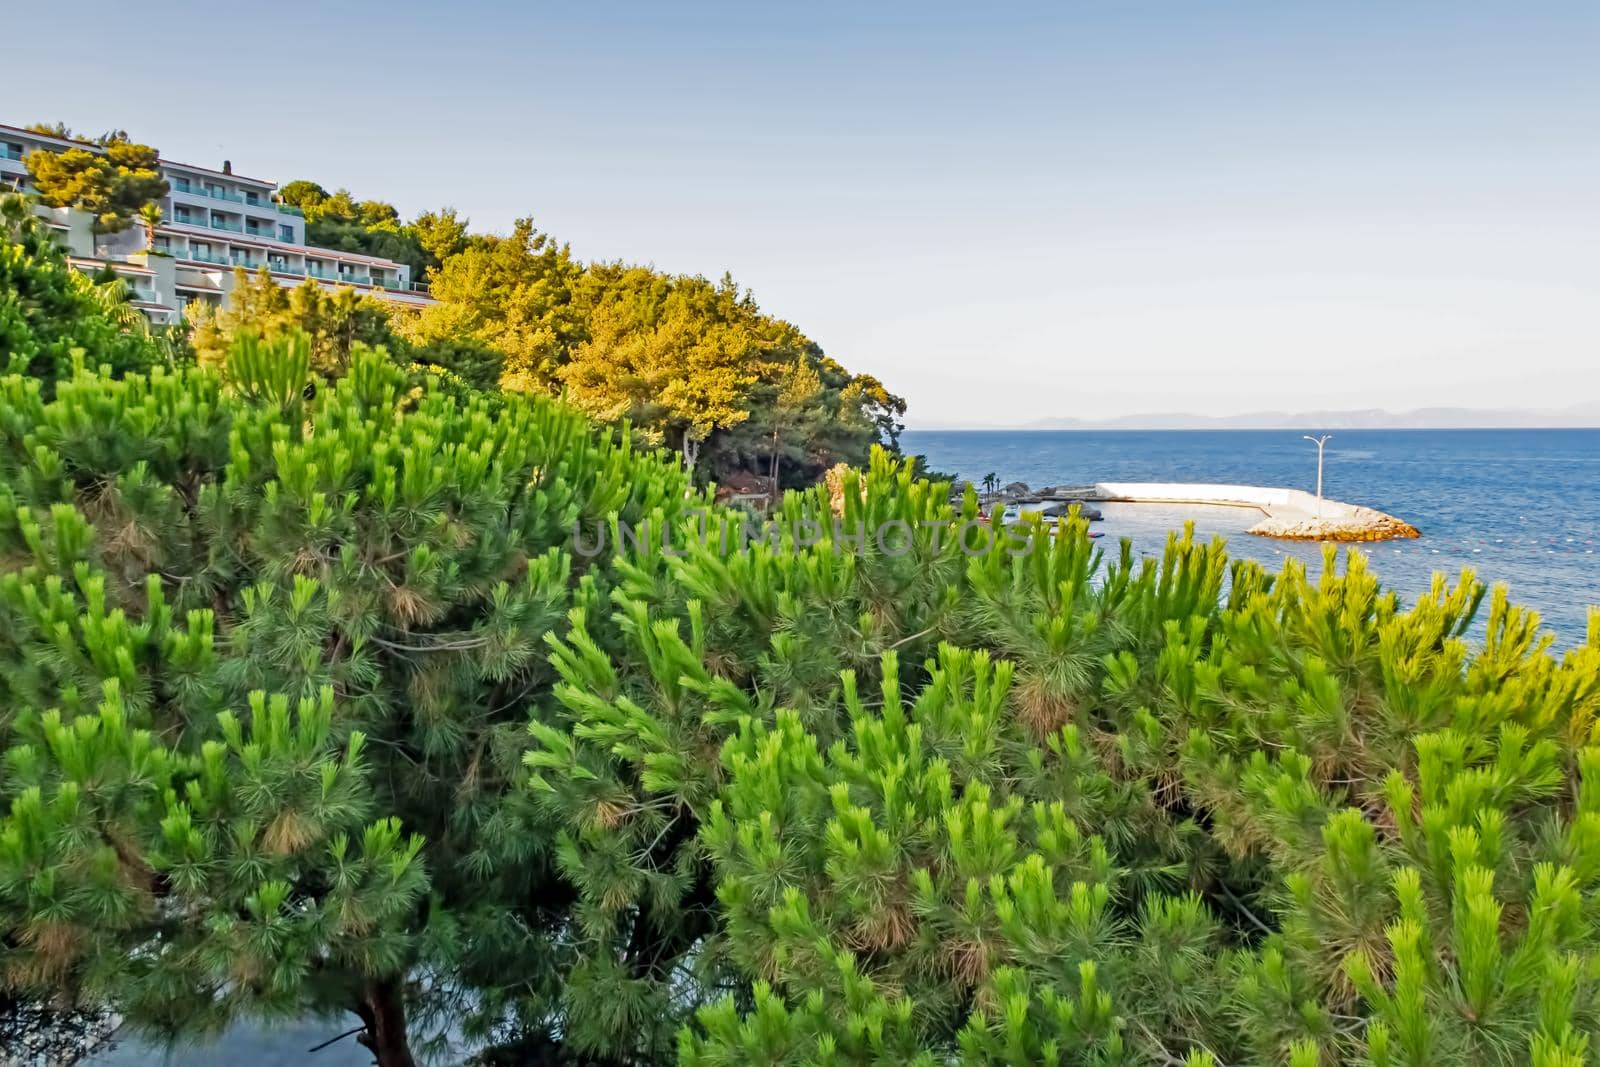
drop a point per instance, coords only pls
(1319, 442)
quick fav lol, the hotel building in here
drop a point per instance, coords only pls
(211, 222)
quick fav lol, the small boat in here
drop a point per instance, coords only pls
(1096, 533)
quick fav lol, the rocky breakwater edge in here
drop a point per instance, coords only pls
(34, 1034)
(1288, 514)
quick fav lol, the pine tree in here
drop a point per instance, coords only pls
(53, 316)
(1191, 813)
(310, 702)
(268, 656)
(112, 182)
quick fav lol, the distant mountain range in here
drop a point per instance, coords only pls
(1584, 415)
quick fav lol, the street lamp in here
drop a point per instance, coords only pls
(1319, 442)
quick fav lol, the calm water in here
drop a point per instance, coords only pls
(1517, 506)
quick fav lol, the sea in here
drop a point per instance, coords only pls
(1515, 506)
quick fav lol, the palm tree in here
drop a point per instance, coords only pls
(991, 484)
(150, 218)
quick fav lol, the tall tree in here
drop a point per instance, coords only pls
(112, 184)
(272, 764)
(671, 359)
(441, 233)
(150, 219)
(795, 405)
(305, 195)
(519, 294)
(334, 322)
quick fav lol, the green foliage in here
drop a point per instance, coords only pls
(302, 194)
(372, 227)
(53, 317)
(309, 702)
(441, 234)
(473, 362)
(150, 218)
(51, 129)
(335, 322)
(1130, 811)
(112, 184)
(304, 685)
(248, 857)
(676, 358)
(519, 295)
(691, 363)
(267, 660)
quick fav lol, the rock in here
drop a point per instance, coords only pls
(1374, 527)
(33, 1033)
(1056, 509)
(1068, 492)
(1014, 490)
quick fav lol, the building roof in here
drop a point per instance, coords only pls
(65, 142)
(115, 264)
(165, 162)
(77, 142)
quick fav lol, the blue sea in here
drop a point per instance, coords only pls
(1516, 506)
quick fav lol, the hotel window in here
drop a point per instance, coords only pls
(285, 233)
(252, 198)
(182, 185)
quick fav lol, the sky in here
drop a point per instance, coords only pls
(1007, 212)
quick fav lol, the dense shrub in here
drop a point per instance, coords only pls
(309, 702)
(255, 639)
(1043, 809)
(52, 315)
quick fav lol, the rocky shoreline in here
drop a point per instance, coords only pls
(1288, 514)
(1379, 527)
(36, 1035)
(1048, 502)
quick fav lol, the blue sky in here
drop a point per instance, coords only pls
(1007, 212)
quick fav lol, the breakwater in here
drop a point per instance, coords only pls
(1291, 514)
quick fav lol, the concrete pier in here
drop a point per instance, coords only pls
(1292, 514)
